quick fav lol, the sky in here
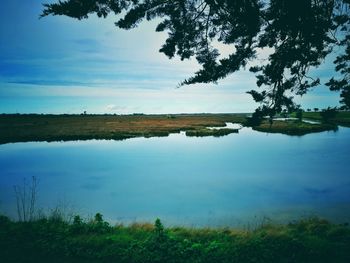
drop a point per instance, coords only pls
(61, 65)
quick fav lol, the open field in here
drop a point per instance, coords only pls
(54, 240)
(23, 128)
(34, 127)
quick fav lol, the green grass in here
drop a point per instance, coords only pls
(341, 118)
(210, 132)
(53, 240)
(296, 128)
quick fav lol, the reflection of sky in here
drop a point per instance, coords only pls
(197, 181)
(60, 65)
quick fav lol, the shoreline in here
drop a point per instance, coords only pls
(49, 128)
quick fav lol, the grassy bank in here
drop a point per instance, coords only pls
(54, 240)
(210, 132)
(24, 128)
(341, 118)
(293, 127)
(34, 127)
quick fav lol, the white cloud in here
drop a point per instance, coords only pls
(111, 107)
(97, 66)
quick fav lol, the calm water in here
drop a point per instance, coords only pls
(225, 181)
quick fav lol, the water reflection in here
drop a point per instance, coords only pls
(228, 125)
(188, 181)
(295, 119)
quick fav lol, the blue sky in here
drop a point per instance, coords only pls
(61, 65)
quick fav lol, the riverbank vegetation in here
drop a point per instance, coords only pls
(53, 239)
(293, 127)
(339, 118)
(325, 120)
(210, 132)
(36, 127)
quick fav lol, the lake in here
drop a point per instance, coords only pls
(226, 181)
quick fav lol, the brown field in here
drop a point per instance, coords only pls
(33, 127)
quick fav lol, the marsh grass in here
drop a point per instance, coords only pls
(47, 240)
(33, 127)
(341, 117)
(291, 127)
(210, 132)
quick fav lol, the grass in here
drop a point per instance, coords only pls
(24, 128)
(54, 240)
(342, 117)
(210, 132)
(295, 127)
(34, 127)
(292, 127)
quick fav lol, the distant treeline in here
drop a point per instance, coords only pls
(116, 114)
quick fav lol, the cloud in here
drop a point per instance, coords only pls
(51, 64)
(43, 82)
(113, 107)
(89, 42)
(89, 45)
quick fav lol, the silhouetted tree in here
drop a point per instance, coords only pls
(284, 113)
(299, 114)
(328, 114)
(299, 34)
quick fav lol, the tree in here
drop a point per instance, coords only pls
(299, 114)
(299, 33)
(328, 114)
(343, 66)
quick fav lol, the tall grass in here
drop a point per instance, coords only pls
(95, 240)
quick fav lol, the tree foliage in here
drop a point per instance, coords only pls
(299, 35)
